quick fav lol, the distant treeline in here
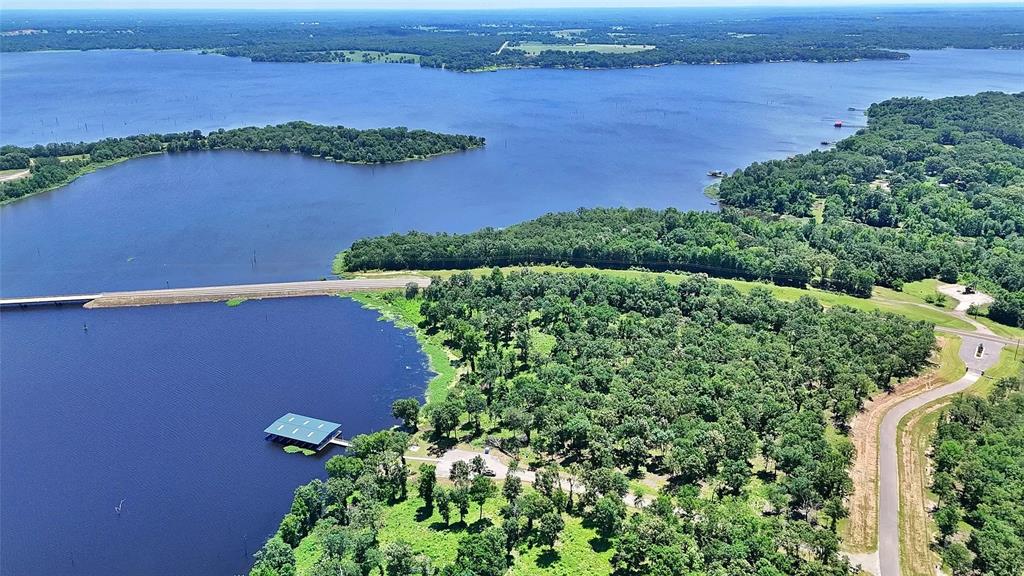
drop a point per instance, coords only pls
(59, 163)
(930, 188)
(472, 41)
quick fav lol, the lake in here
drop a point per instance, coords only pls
(557, 140)
(164, 406)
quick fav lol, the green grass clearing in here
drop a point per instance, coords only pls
(375, 57)
(72, 157)
(535, 48)
(579, 549)
(1006, 367)
(818, 211)
(1001, 329)
(541, 343)
(951, 366)
(915, 291)
(308, 552)
(568, 32)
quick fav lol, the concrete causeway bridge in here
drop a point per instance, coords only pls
(218, 293)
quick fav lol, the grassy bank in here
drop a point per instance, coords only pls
(1001, 329)
(405, 313)
(1006, 367)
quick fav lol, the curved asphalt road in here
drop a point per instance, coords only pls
(888, 471)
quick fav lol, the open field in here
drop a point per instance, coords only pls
(1001, 329)
(14, 174)
(917, 291)
(374, 57)
(535, 48)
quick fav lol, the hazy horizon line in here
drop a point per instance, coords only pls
(740, 4)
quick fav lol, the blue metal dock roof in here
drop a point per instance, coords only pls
(303, 428)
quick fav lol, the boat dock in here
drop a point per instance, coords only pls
(305, 432)
(217, 293)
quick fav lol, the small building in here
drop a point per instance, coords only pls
(303, 431)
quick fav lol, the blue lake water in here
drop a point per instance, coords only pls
(164, 406)
(558, 140)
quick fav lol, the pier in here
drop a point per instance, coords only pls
(217, 293)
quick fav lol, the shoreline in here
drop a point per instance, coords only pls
(432, 345)
(904, 55)
(107, 164)
(85, 171)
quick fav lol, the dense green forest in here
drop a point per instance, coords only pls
(928, 189)
(736, 401)
(474, 40)
(57, 164)
(949, 172)
(979, 480)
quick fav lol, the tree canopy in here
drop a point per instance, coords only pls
(979, 479)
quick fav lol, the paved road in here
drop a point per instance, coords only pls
(989, 339)
(888, 472)
(222, 293)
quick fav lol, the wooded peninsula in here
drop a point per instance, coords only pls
(55, 165)
(737, 402)
(688, 428)
(931, 188)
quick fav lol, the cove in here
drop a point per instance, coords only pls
(164, 407)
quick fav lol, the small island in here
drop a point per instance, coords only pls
(57, 164)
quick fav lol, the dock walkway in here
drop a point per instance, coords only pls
(219, 293)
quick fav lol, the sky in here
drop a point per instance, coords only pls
(460, 4)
